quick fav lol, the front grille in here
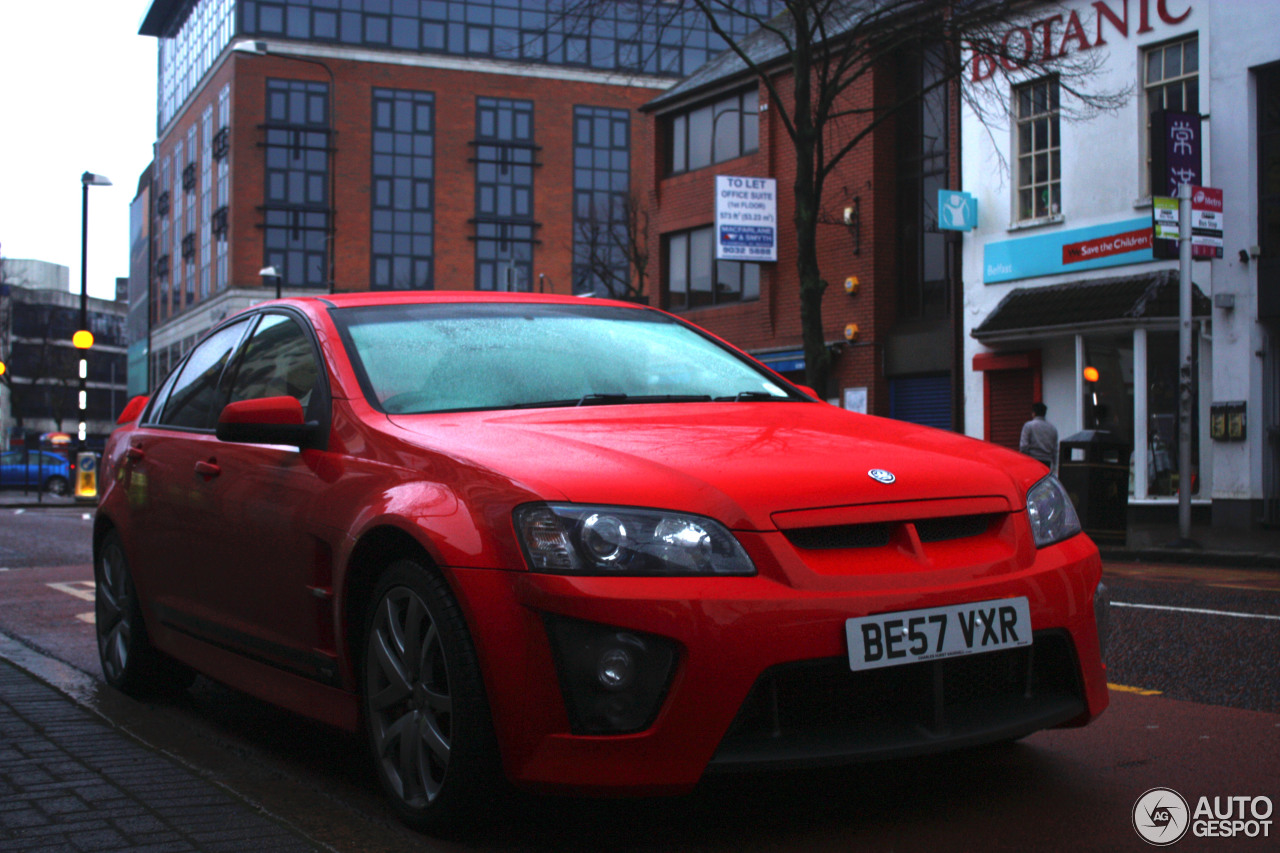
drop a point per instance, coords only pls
(879, 535)
(840, 536)
(956, 527)
(823, 712)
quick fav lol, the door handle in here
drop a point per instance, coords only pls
(208, 470)
(135, 454)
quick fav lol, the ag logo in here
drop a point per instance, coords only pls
(1161, 816)
(882, 476)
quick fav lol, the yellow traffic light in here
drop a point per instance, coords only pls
(82, 339)
(2, 368)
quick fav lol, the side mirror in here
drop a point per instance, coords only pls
(267, 420)
(132, 409)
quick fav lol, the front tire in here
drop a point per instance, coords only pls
(427, 719)
(129, 662)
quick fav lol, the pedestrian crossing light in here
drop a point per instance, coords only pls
(82, 339)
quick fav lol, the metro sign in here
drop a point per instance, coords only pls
(1206, 222)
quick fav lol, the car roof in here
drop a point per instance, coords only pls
(428, 297)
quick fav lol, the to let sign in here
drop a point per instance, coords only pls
(746, 218)
(1206, 222)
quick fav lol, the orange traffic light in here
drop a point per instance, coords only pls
(1091, 374)
(82, 339)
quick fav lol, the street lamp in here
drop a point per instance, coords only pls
(274, 273)
(83, 338)
(259, 48)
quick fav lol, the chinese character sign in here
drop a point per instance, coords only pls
(746, 219)
(1175, 151)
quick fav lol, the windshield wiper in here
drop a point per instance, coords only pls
(751, 395)
(613, 400)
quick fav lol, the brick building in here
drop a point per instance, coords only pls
(887, 314)
(390, 144)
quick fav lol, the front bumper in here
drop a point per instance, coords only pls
(741, 640)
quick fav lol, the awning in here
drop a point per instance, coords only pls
(1124, 301)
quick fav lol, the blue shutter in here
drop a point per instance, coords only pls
(922, 400)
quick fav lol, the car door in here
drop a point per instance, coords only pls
(267, 584)
(170, 502)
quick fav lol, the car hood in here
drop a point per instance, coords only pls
(739, 462)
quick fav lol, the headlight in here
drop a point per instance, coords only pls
(1052, 516)
(614, 540)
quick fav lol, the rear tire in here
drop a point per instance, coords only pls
(430, 734)
(129, 662)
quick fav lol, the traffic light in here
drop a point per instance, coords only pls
(82, 339)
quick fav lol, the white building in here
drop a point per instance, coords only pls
(1060, 273)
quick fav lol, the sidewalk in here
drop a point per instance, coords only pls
(1155, 542)
(69, 781)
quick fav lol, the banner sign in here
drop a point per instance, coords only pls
(746, 218)
(957, 211)
(1164, 217)
(1112, 244)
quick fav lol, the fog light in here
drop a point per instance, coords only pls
(613, 680)
(616, 670)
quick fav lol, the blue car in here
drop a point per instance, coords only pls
(35, 469)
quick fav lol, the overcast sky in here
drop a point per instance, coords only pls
(78, 93)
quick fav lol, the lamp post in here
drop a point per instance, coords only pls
(83, 338)
(259, 48)
(273, 273)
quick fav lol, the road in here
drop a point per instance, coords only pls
(1195, 708)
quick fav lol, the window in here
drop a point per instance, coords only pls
(713, 133)
(193, 397)
(505, 160)
(601, 201)
(1170, 81)
(1039, 164)
(923, 154)
(297, 181)
(279, 361)
(695, 279)
(403, 189)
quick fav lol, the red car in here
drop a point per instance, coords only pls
(581, 545)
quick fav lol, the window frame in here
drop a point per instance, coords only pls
(679, 126)
(689, 236)
(1051, 150)
(1148, 89)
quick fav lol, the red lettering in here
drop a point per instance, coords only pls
(1075, 32)
(1162, 9)
(984, 66)
(1007, 59)
(1144, 19)
(1046, 33)
(1121, 24)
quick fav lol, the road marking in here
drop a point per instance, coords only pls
(83, 590)
(90, 617)
(1196, 610)
(19, 511)
(1124, 688)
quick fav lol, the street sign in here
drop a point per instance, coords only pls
(1206, 222)
(957, 211)
(1164, 217)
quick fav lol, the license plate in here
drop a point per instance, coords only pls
(910, 636)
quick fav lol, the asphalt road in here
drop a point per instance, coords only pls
(1195, 707)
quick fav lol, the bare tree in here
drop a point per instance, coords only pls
(611, 249)
(813, 57)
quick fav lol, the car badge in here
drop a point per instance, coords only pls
(882, 476)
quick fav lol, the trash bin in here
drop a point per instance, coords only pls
(1093, 466)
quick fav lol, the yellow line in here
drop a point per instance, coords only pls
(1141, 691)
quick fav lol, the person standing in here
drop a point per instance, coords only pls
(1039, 437)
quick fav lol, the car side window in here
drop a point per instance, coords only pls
(279, 361)
(194, 400)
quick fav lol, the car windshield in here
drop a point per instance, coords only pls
(436, 358)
